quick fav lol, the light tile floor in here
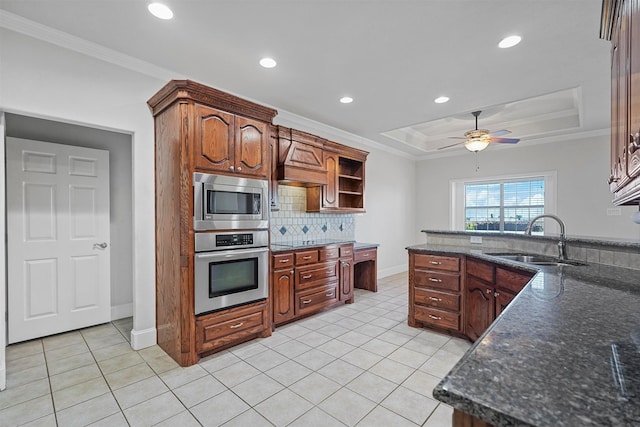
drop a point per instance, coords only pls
(359, 364)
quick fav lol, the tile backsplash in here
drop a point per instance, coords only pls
(292, 223)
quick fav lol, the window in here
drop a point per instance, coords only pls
(503, 204)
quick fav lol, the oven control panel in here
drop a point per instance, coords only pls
(220, 241)
(236, 239)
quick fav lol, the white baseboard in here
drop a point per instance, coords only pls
(3, 378)
(144, 338)
(121, 311)
(385, 272)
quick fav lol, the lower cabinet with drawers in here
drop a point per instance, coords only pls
(310, 280)
(459, 294)
(435, 291)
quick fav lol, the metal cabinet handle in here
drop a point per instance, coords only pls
(306, 257)
(284, 260)
(291, 271)
(330, 294)
(236, 326)
(496, 294)
(435, 317)
(239, 168)
(231, 167)
(435, 262)
(306, 301)
(432, 279)
(102, 245)
(489, 291)
(308, 276)
(435, 299)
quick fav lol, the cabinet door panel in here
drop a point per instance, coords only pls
(330, 191)
(283, 297)
(251, 156)
(480, 307)
(346, 279)
(213, 139)
(512, 280)
(503, 298)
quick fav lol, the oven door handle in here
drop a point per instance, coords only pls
(233, 253)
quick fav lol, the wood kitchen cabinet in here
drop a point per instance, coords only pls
(621, 24)
(306, 281)
(365, 269)
(435, 290)
(489, 289)
(344, 190)
(459, 294)
(200, 128)
(230, 143)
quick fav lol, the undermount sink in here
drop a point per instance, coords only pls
(537, 259)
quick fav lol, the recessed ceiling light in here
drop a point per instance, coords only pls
(509, 41)
(160, 10)
(441, 99)
(346, 100)
(268, 62)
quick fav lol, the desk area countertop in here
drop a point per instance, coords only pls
(565, 352)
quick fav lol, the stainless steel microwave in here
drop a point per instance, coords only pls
(224, 202)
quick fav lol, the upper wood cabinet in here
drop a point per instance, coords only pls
(228, 143)
(621, 24)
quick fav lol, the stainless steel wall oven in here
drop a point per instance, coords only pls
(231, 268)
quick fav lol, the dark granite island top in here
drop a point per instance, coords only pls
(565, 352)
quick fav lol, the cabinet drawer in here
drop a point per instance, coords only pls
(437, 299)
(512, 280)
(282, 260)
(315, 299)
(481, 270)
(437, 262)
(346, 251)
(438, 318)
(316, 275)
(218, 329)
(306, 257)
(365, 255)
(438, 280)
(329, 253)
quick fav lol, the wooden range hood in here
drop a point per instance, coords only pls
(300, 158)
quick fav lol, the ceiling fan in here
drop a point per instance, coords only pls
(478, 139)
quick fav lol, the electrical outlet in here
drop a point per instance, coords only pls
(476, 239)
(614, 211)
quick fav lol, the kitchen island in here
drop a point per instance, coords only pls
(565, 352)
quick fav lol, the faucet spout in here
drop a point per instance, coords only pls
(562, 246)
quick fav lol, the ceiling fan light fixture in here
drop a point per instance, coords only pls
(476, 144)
(441, 99)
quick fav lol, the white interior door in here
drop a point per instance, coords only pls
(58, 238)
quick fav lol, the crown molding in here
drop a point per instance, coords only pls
(528, 142)
(288, 119)
(18, 24)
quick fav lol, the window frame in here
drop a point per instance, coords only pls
(457, 217)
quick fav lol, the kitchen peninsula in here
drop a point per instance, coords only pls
(563, 353)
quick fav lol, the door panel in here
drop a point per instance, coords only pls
(58, 232)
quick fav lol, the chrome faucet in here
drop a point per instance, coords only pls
(562, 245)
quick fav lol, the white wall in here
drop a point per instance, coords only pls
(44, 80)
(583, 195)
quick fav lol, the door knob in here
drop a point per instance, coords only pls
(102, 245)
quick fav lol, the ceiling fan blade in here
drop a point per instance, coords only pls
(504, 140)
(500, 132)
(453, 145)
(457, 137)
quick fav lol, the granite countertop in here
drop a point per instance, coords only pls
(565, 352)
(360, 245)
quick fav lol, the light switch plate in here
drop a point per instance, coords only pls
(476, 239)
